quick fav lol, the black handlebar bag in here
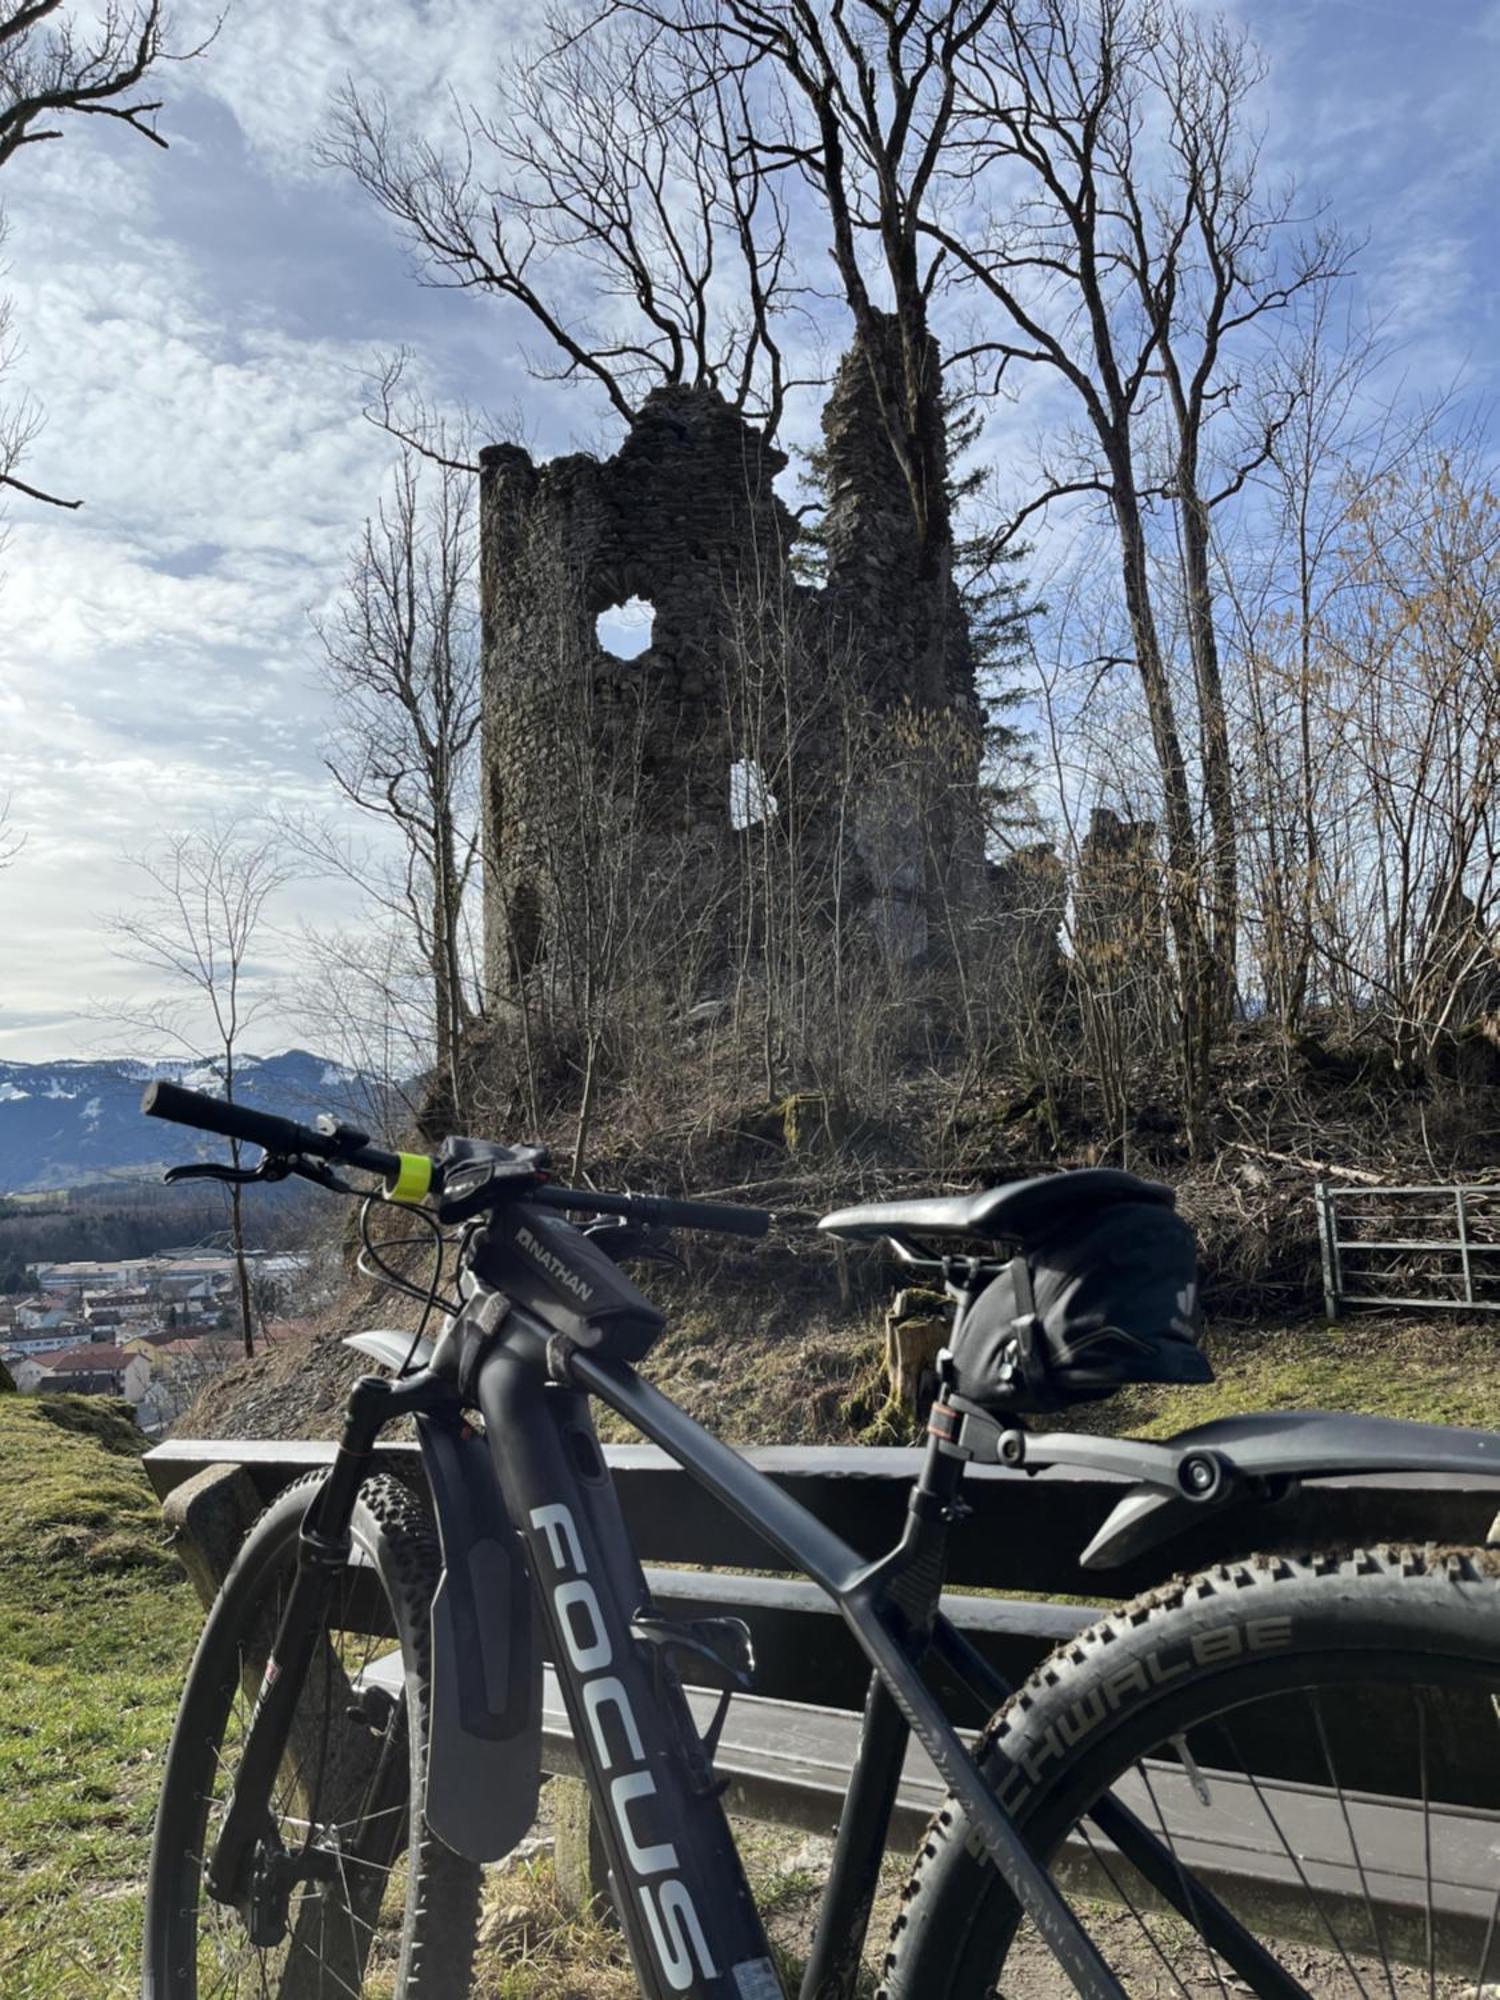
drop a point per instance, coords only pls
(1107, 1298)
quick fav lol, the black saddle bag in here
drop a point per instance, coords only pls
(1106, 1298)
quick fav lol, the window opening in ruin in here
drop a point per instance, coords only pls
(751, 800)
(625, 629)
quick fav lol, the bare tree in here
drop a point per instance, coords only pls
(362, 986)
(1416, 712)
(607, 191)
(53, 69)
(197, 927)
(401, 659)
(1136, 255)
(1083, 166)
(866, 93)
(1336, 443)
(11, 842)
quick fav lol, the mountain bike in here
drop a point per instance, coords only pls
(359, 1730)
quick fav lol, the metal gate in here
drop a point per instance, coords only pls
(1390, 1246)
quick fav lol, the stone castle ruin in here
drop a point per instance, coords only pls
(846, 706)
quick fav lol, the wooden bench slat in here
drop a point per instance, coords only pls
(790, 1762)
(805, 1652)
(1025, 1532)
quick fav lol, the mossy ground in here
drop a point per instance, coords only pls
(96, 1627)
(1444, 1373)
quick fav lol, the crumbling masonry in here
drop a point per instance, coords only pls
(869, 722)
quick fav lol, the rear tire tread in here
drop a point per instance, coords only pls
(914, 1967)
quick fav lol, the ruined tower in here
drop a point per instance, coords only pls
(865, 685)
(682, 517)
(892, 608)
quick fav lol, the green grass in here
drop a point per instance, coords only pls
(96, 1626)
(1443, 1374)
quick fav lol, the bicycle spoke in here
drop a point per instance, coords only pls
(1291, 1853)
(1182, 1876)
(1427, 1911)
(1359, 1865)
(1123, 1895)
(1482, 1969)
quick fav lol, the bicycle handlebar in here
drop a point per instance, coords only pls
(285, 1138)
(282, 1136)
(658, 1210)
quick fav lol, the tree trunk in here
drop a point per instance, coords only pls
(1195, 972)
(242, 1272)
(236, 1216)
(1218, 768)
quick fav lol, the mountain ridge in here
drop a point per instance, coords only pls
(75, 1121)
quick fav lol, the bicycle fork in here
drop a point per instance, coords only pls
(244, 1869)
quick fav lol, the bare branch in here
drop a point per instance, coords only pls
(612, 167)
(53, 70)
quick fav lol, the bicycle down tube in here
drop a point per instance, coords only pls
(688, 1916)
(660, 1819)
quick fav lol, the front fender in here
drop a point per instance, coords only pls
(391, 1348)
(484, 1738)
(485, 1743)
(1291, 1444)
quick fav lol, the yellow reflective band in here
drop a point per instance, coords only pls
(413, 1180)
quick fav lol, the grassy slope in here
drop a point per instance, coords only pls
(801, 1381)
(96, 1626)
(1436, 1374)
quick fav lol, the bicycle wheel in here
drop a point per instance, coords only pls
(357, 1895)
(1313, 1742)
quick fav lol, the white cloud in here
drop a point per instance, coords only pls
(279, 65)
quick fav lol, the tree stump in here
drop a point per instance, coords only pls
(578, 1855)
(813, 1122)
(916, 1327)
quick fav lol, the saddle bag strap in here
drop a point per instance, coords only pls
(1025, 1363)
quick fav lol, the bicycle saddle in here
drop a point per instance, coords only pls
(1018, 1211)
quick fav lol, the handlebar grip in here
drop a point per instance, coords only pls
(658, 1209)
(231, 1121)
(717, 1216)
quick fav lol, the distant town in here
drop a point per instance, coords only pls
(152, 1329)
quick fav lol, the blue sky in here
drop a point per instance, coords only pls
(197, 324)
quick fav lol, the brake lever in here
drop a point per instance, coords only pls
(629, 1242)
(273, 1167)
(210, 1170)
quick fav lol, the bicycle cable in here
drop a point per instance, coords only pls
(371, 1264)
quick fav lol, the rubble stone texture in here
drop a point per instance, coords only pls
(1121, 896)
(874, 670)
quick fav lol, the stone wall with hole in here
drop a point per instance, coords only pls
(847, 711)
(680, 520)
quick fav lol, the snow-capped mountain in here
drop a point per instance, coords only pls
(64, 1124)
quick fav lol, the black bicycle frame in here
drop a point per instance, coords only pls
(684, 1905)
(891, 1607)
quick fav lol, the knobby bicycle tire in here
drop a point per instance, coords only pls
(409, 1936)
(1224, 1694)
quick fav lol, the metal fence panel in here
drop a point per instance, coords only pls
(1394, 1256)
